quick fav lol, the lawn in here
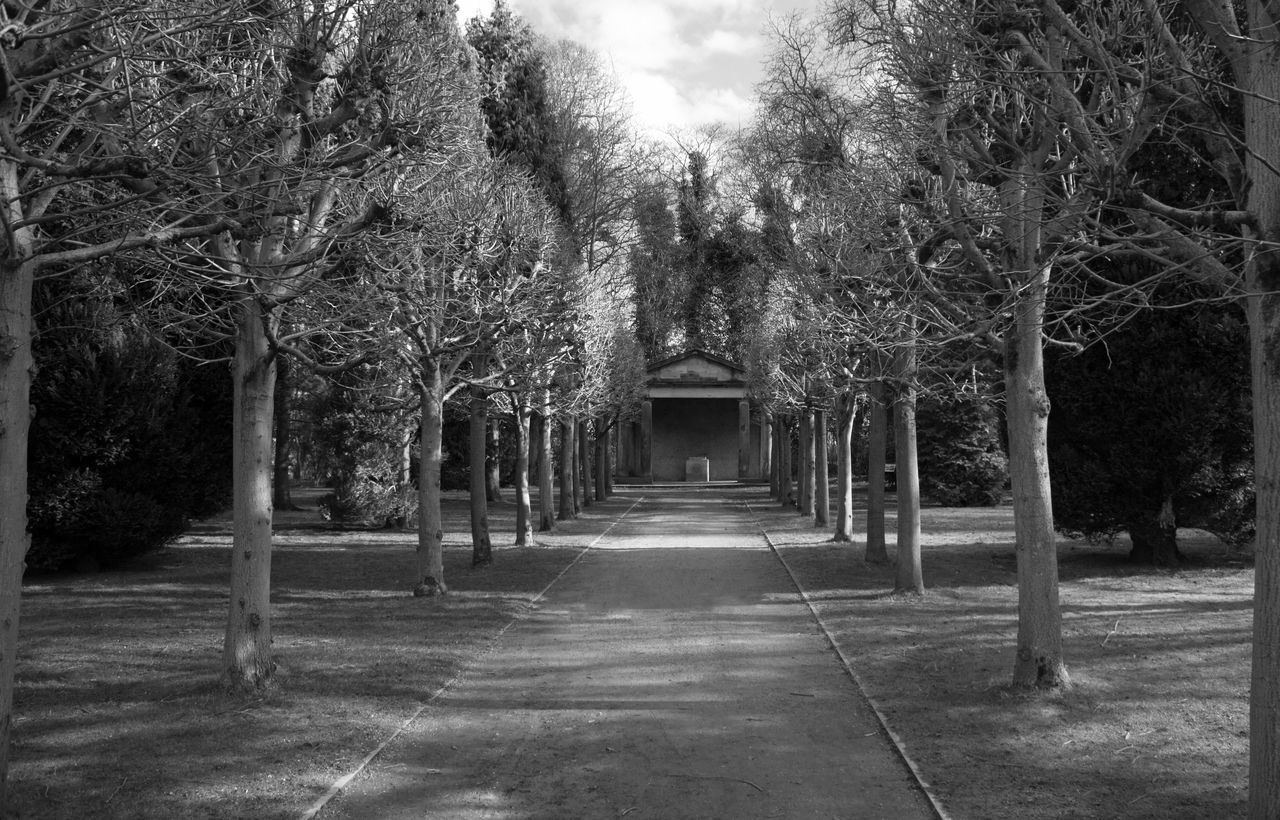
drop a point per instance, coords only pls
(1155, 725)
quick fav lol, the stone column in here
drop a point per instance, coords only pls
(646, 440)
(744, 439)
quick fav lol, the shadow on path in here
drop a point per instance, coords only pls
(672, 673)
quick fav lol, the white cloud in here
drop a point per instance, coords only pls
(683, 62)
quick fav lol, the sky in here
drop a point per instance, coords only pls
(682, 62)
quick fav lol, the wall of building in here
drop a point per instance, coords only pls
(695, 427)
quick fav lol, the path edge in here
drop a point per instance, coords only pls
(898, 745)
(342, 782)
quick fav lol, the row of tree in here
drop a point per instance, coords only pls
(957, 188)
(352, 202)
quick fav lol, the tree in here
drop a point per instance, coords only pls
(79, 182)
(458, 276)
(1149, 443)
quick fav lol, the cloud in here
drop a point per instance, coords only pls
(683, 63)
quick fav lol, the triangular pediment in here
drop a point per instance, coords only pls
(696, 367)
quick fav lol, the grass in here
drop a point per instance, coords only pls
(1155, 723)
(119, 714)
(118, 710)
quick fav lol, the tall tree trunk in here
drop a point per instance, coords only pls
(430, 558)
(567, 458)
(16, 368)
(246, 651)
(909, 575)
(1039, 661)
(478, 484)
(821, 481)
(877, 443)
(524, 508)
(535, 447)
(776, 461)
(806, 462)
(611, 459)
(602, 458)
(785, 494)
(844, 467)
(546, 506)
(1262, 135)
(493, 461)
(280, 495)
(584, 461)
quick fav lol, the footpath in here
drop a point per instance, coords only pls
(672, 672)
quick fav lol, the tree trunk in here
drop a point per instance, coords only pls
(246, 652)
(774, 453)
(806, 462)
(1155, 538)
(280, 495)
(1039, 660)
(1262, 135)
(909, 575)
(524, 509)
(567, 458)
(478, 484)
(844, 467)
(535, 447)
(785, 495)
(16, 368)
(602, 459)
(430, 580)
(546, 507)
(609, 461)
(584, 462)
(877, 443)
(493, 462)
(821, 481)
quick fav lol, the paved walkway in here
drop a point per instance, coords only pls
(673, 672)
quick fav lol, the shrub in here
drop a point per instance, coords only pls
(962, 463)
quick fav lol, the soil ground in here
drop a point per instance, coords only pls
(119, 714)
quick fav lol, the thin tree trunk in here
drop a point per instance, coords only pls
(16, 367)
(524, 509)
(1039, 661)
(584, 460)
(481, 543)
(785, 495)
(775, 463)
(821, 481)
(430, 557)
(877, 443)
(909, 575)
(280, 494)
(611, 457)
(493, 461)
(546, 506)
(844, 467)
(535, 447)
(806, 462)
(246, 651)
(602, 459)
